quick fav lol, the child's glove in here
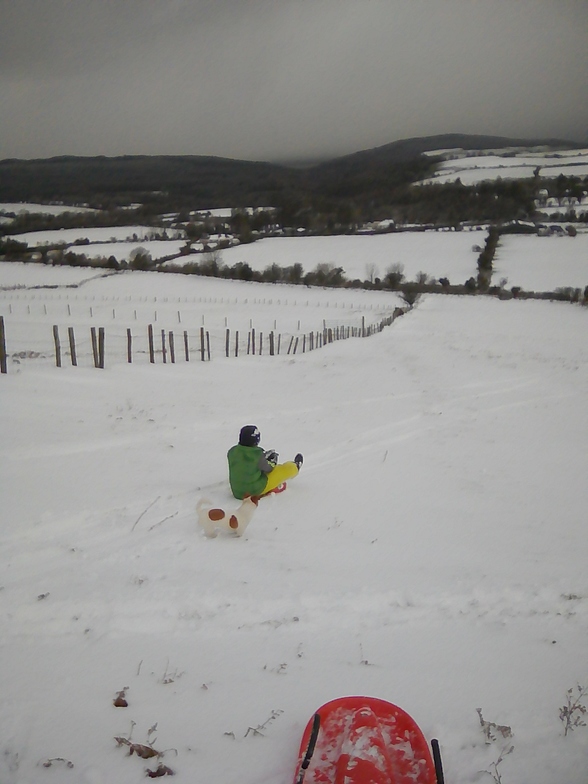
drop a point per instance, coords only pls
(271, 456)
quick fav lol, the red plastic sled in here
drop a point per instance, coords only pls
(364, 740)
(276, 490)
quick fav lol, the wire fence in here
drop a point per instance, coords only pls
(99, 346)
(46, 303)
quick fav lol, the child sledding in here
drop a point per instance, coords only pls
(255, 472)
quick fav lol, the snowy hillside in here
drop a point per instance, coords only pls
(432, 551)
(473, 167)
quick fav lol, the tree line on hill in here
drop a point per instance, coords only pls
(450, 204)
(333, 197)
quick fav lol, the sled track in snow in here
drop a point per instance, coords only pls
(376, 612)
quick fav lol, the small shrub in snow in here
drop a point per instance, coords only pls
(492, 730)
(410, 295)
(258, 730)
(146, 751)
(573, 713)
(170, 677)
(140, 259)
(394, 276)
(494, 767)
(140, 749)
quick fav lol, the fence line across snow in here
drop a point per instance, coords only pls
(161, 343)
(78, 306)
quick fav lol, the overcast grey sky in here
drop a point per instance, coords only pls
(285, 79)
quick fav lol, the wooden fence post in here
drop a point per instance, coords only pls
(57, 345)
(271, 342)
(72, 346)
(163, 348)
(3, 366)
(94, 345)
(290, 345)
(202, 343)
(172, 347)
(101, 347)
(208, 345)
(151, 346)
(227, 340)
(129, 346)
(253, 340)
(237, 343)
(186, 348)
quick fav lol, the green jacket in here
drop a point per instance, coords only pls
(248, 469)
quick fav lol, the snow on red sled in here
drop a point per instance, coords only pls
(365, 740)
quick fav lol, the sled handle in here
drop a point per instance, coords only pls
(437, 760)
(316, 723)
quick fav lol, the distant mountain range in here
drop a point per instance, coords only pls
(201, 182)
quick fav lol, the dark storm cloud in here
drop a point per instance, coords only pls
(271, 79)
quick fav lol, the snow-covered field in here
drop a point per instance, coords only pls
(536, 263)
(84, 298)
(432, 551)
(104, 242)
(101, 235)
(33, 297)
(438, 254)
(542, 263)
(547, 262)
(515, 164)
(19, 208)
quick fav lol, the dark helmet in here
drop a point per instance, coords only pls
(249, 436)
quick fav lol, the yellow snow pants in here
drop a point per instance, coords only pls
(281, 473)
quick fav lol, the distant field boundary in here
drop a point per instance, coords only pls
(168, 347)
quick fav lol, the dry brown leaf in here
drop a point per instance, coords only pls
(162, 770)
